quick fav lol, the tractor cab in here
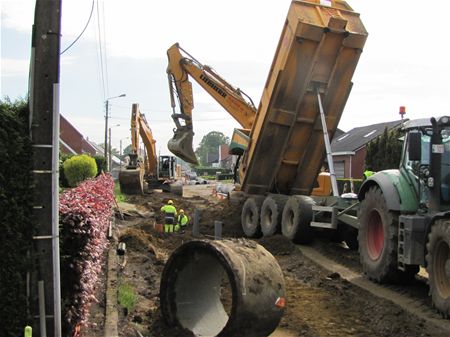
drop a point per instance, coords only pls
(427, 160)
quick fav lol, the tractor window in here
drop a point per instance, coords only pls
(445, 168)
(425, 160)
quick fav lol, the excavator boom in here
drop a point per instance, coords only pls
(181, 67)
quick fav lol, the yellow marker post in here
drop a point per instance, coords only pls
(28, 331)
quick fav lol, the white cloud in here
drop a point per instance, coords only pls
(14, 67)
(17, 14)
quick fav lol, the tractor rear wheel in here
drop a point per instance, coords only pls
(438, 266)
(378, 240)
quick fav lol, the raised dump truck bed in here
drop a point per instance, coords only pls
(319, 49)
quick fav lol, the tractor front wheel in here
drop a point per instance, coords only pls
(378, 240)
(438, 266)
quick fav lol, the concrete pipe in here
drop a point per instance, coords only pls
(226, 288)
(271, 212)
(250, 216)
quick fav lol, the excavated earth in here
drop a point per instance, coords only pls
(318, 303)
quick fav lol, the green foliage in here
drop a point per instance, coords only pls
(79, 168)
(16, 225)
(118, 194)
(126, 296)
(209, 171)
(62, 177)
(385, 151)
(210, 145)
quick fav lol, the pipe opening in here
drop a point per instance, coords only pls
(224, 288)
(203, 297)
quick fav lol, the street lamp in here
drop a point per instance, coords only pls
(106, 130)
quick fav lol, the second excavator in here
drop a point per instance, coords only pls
(157, 171)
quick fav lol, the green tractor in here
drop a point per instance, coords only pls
(404, 214)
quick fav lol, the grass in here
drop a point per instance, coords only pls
(126, 296)
(119, 196)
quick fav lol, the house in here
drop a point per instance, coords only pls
(226, 160)
(72, 141)
(349, 148)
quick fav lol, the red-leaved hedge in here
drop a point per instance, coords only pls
(85, 212)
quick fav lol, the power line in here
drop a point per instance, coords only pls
(106, 54)
(101, 53)
(87, 23)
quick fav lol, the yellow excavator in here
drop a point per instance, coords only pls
(181, 67)
(157, 171)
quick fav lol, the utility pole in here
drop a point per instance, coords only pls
(44, 285)
(110, 150)
(106, 147)
(106, 136)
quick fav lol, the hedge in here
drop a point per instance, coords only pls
(210, 171)
(15, 220)
(84, 213)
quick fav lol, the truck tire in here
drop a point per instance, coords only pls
(378, 240)
(296, 219)
(271, 213)
(438, 266)
(250, 216)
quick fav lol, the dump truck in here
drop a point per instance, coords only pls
(157, 172)
(282, 147)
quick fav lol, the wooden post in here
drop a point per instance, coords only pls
(44, 129)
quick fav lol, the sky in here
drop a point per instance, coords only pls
(406, 60)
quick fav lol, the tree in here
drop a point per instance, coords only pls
(210, 146)
(384, 152)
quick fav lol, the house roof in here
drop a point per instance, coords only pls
(358, 137)
(101, 151)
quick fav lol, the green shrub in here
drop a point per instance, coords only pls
(79, 168)
(62, 177)
(210, 171)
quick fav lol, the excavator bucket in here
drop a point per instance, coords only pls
(181, 146)
(131, 181)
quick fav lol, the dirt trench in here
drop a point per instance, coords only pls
(318, 303)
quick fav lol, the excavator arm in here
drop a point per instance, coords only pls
(181, 67)
(140, 129)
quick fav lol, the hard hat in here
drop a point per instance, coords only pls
(181, 210)
(170, 202)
